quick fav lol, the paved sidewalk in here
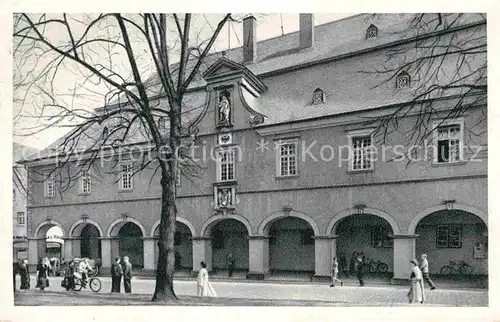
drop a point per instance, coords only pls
(315, 294)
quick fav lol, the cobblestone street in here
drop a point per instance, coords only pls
(349, 295)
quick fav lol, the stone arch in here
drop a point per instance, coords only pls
(119, 222)
(369, 211)
(179, 219)
(84, 222)
(49, 222)
(205, 229)
(266, 223)
(424, 213)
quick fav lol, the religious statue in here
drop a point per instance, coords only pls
(224, 197)
(224, 109)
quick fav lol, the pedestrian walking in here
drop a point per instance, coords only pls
(69, 275)
(42, 274)
(116, 276)
(424, 267)
(230, 264)
(352, 265)
(360, 272)
(23, 271)
(416, 293)
(204, 286)
(335, 273)
(15, 267)
(127, 275)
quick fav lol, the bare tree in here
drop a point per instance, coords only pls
(146, 64)
(445, 59)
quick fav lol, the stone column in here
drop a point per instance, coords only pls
(404, 252)
(325, 248)
(149, 253)
(258, 251)
(106, 259)
(68, 248)
(32, 252)
(202, 251)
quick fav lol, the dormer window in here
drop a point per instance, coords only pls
(318, 97)
(371, 32)
(162, 123)
(403, 80)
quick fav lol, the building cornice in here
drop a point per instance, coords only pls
(337, 186)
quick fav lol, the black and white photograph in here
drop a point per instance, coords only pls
(289, 159)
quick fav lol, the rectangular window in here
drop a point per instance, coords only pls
(86, 183)
(449, 143)
(49, 185)
(449, 236)
(287, 161)
(225, 160)
(126, 182)
(380, 237)
(20, 218)
(362, 153)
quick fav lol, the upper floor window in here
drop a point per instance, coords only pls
(49, 185)
(20, 218)
(449, 142)
(361, 148)
(403, 80)
(225, 167)
(85, 182)
(318, 96)
(371, 32)
(287, 158)
(162, 124)
(126, 180)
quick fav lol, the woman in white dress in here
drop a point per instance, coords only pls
(416, 293)
(204, 286)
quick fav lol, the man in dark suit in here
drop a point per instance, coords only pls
(127, 275)
(25, 275)
(116, 275)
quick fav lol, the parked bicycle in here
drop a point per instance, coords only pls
(457, 268)
(372, 266)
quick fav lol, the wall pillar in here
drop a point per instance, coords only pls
(258, 251)
(68, 248)
(404, 252)
(325, 248)
(76, 247)
(149, 253)
(202, 251)
(106, 259)
(32, 252)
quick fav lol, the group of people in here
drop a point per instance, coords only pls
(42, 276)
(121, 270)
(418, 274)
(357, 265)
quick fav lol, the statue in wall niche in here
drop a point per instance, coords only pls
(224, 109)
(224, 197)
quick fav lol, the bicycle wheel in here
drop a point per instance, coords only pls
(382, 267)
(465, 269)
(446, 270)
(78, 285)
(95, 284)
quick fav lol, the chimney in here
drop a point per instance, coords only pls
(249, 39)
(306, 31)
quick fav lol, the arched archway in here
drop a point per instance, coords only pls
(44, 247)
(87, 242)
(453, 235)
(364, 234)
(127, 240)
(291, 242)
(183, 245)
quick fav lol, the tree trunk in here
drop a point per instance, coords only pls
(164, 290)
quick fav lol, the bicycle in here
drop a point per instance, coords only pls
(457, 268)
(377, 267)
(93, 282)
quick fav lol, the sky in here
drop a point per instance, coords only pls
(268, 26)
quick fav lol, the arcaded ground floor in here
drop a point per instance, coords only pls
(296, 232)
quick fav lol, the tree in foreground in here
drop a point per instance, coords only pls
(139, 66)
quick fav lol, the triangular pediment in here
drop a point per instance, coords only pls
(224, 69)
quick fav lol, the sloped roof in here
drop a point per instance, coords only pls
(289, 95)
